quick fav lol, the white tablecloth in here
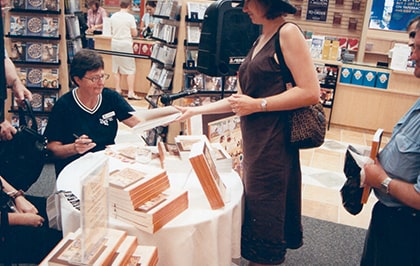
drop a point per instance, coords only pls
(198, 236)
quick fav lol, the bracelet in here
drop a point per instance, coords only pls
(16, 193)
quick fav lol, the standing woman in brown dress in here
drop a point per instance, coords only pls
(272, 175)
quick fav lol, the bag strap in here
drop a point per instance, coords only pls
(287, 75)
(22, 117)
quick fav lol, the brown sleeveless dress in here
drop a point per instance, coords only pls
(272, 176)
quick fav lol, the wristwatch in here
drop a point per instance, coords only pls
(385, 184)
(264, 105)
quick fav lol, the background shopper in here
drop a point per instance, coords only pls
(123, 27)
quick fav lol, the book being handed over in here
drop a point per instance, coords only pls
(152, 118)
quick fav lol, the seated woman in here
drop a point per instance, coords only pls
(25, 236)
(86, 118)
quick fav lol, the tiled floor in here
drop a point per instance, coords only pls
(323, 175)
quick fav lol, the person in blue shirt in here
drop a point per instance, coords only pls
(393, 237)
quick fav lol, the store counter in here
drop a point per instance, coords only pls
(198, 236)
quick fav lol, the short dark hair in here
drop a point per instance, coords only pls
(414, 20)
(83, 61)
(125, 3)
(151, 3)
(274, 8)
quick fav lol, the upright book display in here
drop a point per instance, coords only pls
(205, 169)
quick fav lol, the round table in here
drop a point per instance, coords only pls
(198, 236)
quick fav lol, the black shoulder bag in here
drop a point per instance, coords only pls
(22, 158)
(307, 124)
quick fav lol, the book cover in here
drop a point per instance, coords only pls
(37, 101)
(353, 44)
(17, 25)
(196, 10)
(205, 169)
(50, 27)
(18, 50)
(317, 44)
(231, 83)
(193, 34)
(34, 4)
(191, 58)
(42, 122)
(212, 83)
(125, 177)
(50, 53)
(146, 49)
(21, 72)
(375, 147)
(34, 52)
(34, 77)
(34, 26)
(50, 78)
(19, 4)
(50, 99)
(51, 5)
(152, 118)
(125, 251)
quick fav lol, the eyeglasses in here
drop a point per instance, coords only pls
(97, 78)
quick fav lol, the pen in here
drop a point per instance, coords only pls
(76, 136)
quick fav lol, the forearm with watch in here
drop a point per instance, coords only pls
(401, 190)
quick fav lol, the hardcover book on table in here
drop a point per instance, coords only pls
(133, 187)
(155, 213)
(205, 169)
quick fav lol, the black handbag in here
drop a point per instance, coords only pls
(351, 192)
(22, 158)
(307, 125)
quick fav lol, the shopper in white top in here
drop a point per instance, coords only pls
(123, 28)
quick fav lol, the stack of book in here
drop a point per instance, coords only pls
(144, 199)
(131, 188)
(117, 248)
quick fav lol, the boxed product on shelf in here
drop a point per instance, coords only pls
(50, 78)
(18, 50)
(369, 78)
(34, 25)
(34, 4)
(50, 27)
(50, 53)
(346, 75)
(34, 76)
(17, 25)
(382, 79)
(34, 52)
(357, 77)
